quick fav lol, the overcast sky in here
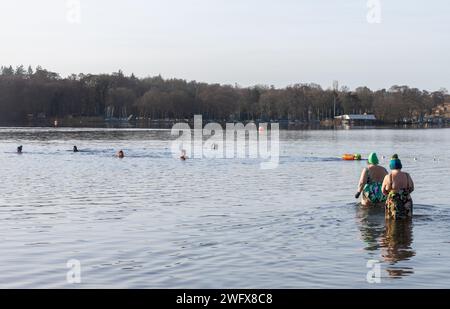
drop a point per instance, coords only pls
(235, 41)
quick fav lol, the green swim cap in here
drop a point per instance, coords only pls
(373, 159)
(357, 157)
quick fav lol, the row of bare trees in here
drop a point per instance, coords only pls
(25, 92)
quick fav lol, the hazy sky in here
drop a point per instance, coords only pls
(235, 41)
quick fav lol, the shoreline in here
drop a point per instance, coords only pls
(168, 126)
(90, 123)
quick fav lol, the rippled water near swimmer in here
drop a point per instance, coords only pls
(150, 221)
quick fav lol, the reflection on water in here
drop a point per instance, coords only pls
(397, 240)
(392, 239)
(371, 225)
(396, 246)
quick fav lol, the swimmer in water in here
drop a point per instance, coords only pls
(120, 154)
(183, 156)
(19, 149)
(398, 186)
(75, 149)
(370, 182)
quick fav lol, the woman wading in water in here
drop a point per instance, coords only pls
(398, 186)
(370, 183)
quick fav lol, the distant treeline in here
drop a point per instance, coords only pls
(25, 93)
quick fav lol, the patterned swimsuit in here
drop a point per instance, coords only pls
(372, 191)
(399, 205)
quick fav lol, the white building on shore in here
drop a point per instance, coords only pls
(356, 119)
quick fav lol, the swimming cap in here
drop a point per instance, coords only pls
(373, 159)
(395, 164)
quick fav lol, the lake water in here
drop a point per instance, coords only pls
(151, 221)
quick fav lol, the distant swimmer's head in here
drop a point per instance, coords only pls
(395, 164)
(373, 159)
(75, 149)
(121, 154)
(19, 149)
(394, 157)
(357, 157)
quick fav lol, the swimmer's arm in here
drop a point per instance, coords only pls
(362, 181)
(386, 186)
(410, 184)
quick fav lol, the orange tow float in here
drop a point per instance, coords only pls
(352, 157)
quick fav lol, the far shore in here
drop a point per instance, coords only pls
(99, 122)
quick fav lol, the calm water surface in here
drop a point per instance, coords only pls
(150, 221)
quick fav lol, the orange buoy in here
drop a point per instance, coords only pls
(348, 157)
(352, 157)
